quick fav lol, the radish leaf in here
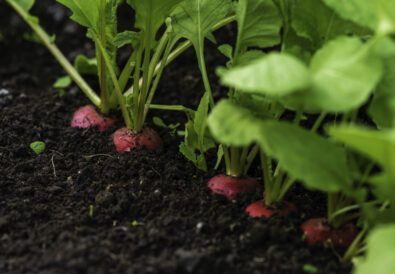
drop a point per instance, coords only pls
(382, 107)
(318, 23)
(150, 14)
(85, 12)
(259, 24)
(274, 74)
(306, 156)
(344, 75)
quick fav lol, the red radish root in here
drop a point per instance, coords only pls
(127, 140)
(230, 186)
(259, 209)
(318, 231)
(87, 116)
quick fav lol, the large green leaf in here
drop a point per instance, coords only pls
(344, 75)
(193, 19)
(380, 252)
(382, 107)
(362, 12)
(315, 21)
(378, 145)
(259, 24)
(274, 74)
(378, 15)
(85, 12)
(151, 14)
(306, 156)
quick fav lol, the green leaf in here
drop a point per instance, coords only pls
(248, 57)
(85, 12)
(380, 251)
(259, 24)
(125, 38)
(188, 152)
(26, 5)
(62, 82)
(378, 15)
(378, 145)
(306, 156)
(382, 107)
(344, 75)
(38, 147)
(151, 14)
(193, 19)
(298, 46)
(220, 155)
(200, 119)
(85, 65)
(274, 74)
(315, 21)
(226, 50)
(362, 12)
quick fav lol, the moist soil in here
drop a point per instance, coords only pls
(80, 207)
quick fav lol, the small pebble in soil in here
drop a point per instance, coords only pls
(199, 227)
(4, 91)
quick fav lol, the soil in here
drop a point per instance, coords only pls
(80, 207)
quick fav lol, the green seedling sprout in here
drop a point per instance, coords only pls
(38, 147)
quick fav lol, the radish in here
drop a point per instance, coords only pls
(259, 209)
(230, 186)
(127, 140)
(318, 230)
(87, 116)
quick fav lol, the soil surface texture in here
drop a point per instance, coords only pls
(80, 207)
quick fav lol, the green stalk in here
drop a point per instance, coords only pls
(235, 169)
(113, 76)
(146, 62)
(136, 77)
(227, 160)
(162, 45)
(127, 70)
(183, 47)
(288, 183)
(266, 176)
(58, 55)
(274, 193)
(318, 122)
(104, 107)
(243, 158)
(250, 158)
(331, 208)
(171, 107)
(156, 82)
(353, 248)
(203, 69)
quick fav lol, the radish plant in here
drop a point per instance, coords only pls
(145, 64)
(316, 72)
(258, 26)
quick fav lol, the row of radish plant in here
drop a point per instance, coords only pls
(314, 58)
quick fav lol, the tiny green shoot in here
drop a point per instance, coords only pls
(38, 147)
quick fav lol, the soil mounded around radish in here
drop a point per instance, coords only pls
(81, 207)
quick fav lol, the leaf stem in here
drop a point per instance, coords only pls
(318, 122)
(183, 47)
(104, 107)
(58, 55)
(353, 248)
(113, 76)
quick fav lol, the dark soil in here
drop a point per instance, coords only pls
(80, 207)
